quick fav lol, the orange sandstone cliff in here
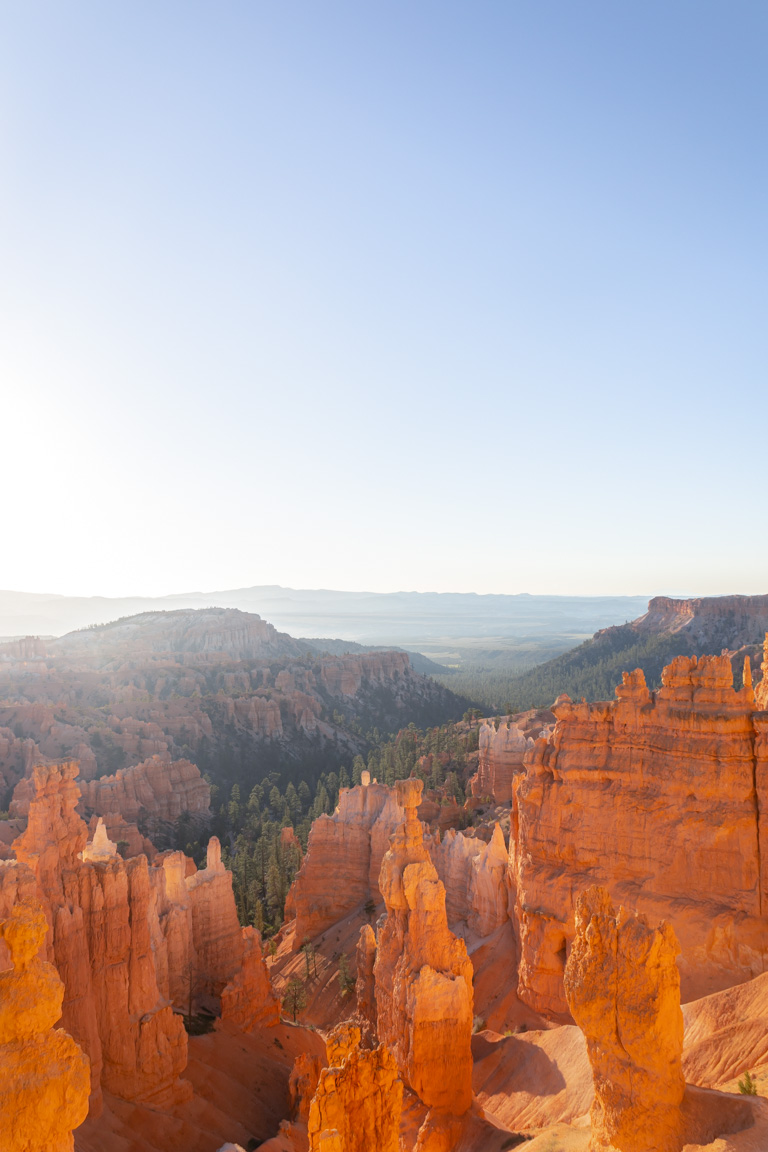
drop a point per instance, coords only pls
(660, 797)
(158, 787)
(349, 847)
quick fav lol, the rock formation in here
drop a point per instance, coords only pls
(358, 1100)
(215, 927)
(761, 692)
(219, 633)
(159, 788)
(248, 1001)
(475, 877)
(660, 797)
(709, 620)
(345, 676)
(302, 1085)
(423, 976)
(102, 948)
(502, 749)
(130, 941)
(349, 846)
(44, 1075)
(365, 985)
(17, 755)
(623, 990)
(101, 849)
(187, 684)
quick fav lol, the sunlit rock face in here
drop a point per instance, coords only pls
(358, 1100)
(423, 976)
(661, 798)
(247, 1000)
(130, 942)
(623, 989)
(475, 877)
(502, 747)
(349, 845)
(365, 985)
(100, 913)
(44, 1075)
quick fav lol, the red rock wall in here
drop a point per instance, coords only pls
(659, 798)
(348, 846)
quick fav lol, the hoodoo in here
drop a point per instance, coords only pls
(423, 976)
(358, 1100)
(623, 990)
(44, 1075)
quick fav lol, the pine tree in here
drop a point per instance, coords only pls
(295, 998)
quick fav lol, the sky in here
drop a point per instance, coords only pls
(420, 295)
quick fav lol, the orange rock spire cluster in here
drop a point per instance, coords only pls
(131, 941)
(623, 990)
(44, 1075)
(423, 976)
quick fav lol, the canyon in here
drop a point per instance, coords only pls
(584, 934)
(732, 625)
(217, 687)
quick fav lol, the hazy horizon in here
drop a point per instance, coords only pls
(189, 591)
(432, 296)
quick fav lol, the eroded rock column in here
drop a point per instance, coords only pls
(44, 1075)
(623, 990)
(423, 976)
(358, 1100)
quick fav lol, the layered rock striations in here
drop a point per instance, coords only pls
(158, 788)
(422, 974)
(358, 1100)
(502, 746)
(131, 941)
(474, 874)
(44, 1075)
(658, 796)
(192, 684)
(348, 846)
(99, 908)
(730, 621)
(247, 999)
(623, 989)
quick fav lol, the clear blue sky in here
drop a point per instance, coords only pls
(404, 295)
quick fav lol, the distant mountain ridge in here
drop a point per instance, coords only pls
(218, 687)
(399, 618)
(224, 632)
(707, 625)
